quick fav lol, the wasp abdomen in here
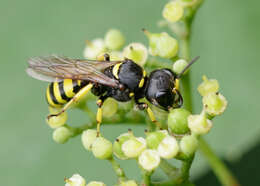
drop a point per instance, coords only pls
(60, 92)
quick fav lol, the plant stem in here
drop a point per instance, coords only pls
(118, 170)
(168, 169)
(219, 168)
(146, 178)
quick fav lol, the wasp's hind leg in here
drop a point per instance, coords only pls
(76, 98)
(144, 106)
(100, 102)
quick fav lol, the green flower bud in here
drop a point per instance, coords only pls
(75, 180)
(162, 44)
(208, 86)
(149, 159)
(96, 183)
(117, 146)
(199, 124)
(153, 139)
(137, 52)
(133, 147)
(109, 107)
(88, 137)
(173, 11)
(214, 103)
(102, 148)
(114, 39)
(179, 66)
(168, 148)
(177, 121)
(128, 183)
(116, 55)
(189, 145)
(57, 121)
(94, 48)
(61, 135)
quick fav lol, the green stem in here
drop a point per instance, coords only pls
(219, 168)
(118, 170)
(146, 178)
(168, 169)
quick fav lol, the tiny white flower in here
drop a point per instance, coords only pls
(199, 124)
(133, 147)
(88, 137)
(168, 148)
(75, 180)
(149, 159)
(94, 48)
(137, 52)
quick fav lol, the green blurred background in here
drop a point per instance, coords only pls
(225, 35)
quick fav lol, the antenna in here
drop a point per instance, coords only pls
(188, 66)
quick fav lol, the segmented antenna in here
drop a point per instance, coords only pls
(188, 66)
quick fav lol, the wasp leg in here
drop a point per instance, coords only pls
(177, 84)
(99, 112)
(144, 106)
(104, 57)
(179, 101)
(76, 98)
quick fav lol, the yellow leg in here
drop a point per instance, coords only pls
(177, 84)
(99, 120)
(152, 117)
(76, 98)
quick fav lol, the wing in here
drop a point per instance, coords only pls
(56, 68)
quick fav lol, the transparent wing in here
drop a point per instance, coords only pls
(55, 68)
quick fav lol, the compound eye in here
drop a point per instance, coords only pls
(164, 99)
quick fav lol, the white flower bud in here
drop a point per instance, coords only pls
(117, 146)
(168, 148)
(137, 52)
(88, 137)
(199, 124)
(149, 159)
(128, 183)
(214, 103)
(102, 148)
(153, 139)
(114, 39)
(94, 48)
(173, 11)
(61, 135)
(57, 121)
(189, 144)
(75, 180)
(133, 147)
(208, 86)
(96, 183)
(179, 66)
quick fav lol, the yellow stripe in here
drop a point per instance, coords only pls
(144, 73)
(49, 100)
(141, 83)
(68, 88)
(57, 93)
(79, 82)
(115, 70)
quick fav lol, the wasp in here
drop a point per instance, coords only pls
(71, 79)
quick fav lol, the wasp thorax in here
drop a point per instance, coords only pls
(160, 88)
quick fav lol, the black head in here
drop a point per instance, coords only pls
(160, 90)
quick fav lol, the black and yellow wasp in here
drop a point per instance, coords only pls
(122, 80)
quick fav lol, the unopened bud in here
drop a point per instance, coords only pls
(117, 146)
(173, 11)
(214, 103)
(177, 121)
(188, 145)
(102, 148)
(179, 66)
(149, 159)
(168, 148)
(114, 39)
(133, 147)
(75, 180)
(137, 52)
(208, 86)
(153, 139)
(57, 121)
(96, 183)
(61, 135)
(162, 44)
(199, 124)
(109, 107)
(94, 48)
(88, 137)
(128, 183)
